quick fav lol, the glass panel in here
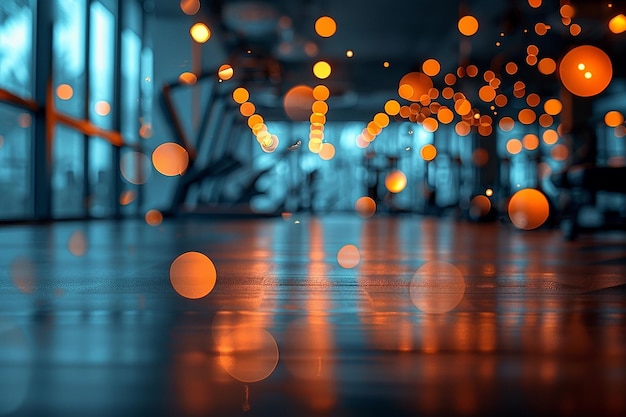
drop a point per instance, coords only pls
(132, 165)
(101, 38)
(131, 61)
(69, 57)
(67, 173)
(15, 163)
(16, 46)
(100, 177)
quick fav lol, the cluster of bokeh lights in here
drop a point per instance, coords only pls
(584, 71)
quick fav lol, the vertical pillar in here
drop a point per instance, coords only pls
(86, 102)
(43, 125)
(145, 109)
(117, 110)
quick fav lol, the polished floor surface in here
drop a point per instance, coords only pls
(426, 317)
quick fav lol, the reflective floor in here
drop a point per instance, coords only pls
(426, 317)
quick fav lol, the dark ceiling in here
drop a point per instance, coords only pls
(279, 35)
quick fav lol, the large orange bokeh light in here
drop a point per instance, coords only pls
(325, 26)
(431, 67)
(153, 217)
(511, 68)
(618, 24)
(463, 107)
(430, 125)
(381, 119)
(545, 120)
(468, 25)
(298, 102)
(437, 287)
(395, 181)
(613, 118)
(188, 78)
(193, 275)
(533, 100)
(247, 109)
(547, 66)
(321, 92)
(200, 32)
(463, 128)
(65, 91)
(256, 122)
(190, 7)
(530, 141)
(249, 353)
(365, 207)
(392, 107)
(586, 71)
(479, 207)
(501, 100)
(528, 209)
(414, 85)
(553, 106)
(514, 146)
(348, 256)
(322, 69)
(445, 115)
(319, 107)
(527, 116)
(102, 108)
(240, 95)
(428, 152)
(506, 124)
(225, 72)
(327, 151)
(550, 137)
(487, 93)
(170, 159)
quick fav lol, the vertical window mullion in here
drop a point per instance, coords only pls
(87, 101)
(116, 106)
(43, 136)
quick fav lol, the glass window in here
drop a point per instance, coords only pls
(68, 173)
(15, 163)
(100, 177)
(16, 46)
(101, 60)
(131, 65)
(69, 57)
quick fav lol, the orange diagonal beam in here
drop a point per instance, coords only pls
(11, 98)
(91, 129)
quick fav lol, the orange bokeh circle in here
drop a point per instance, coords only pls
(586, 71)
(193, 275)
(528, 209)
